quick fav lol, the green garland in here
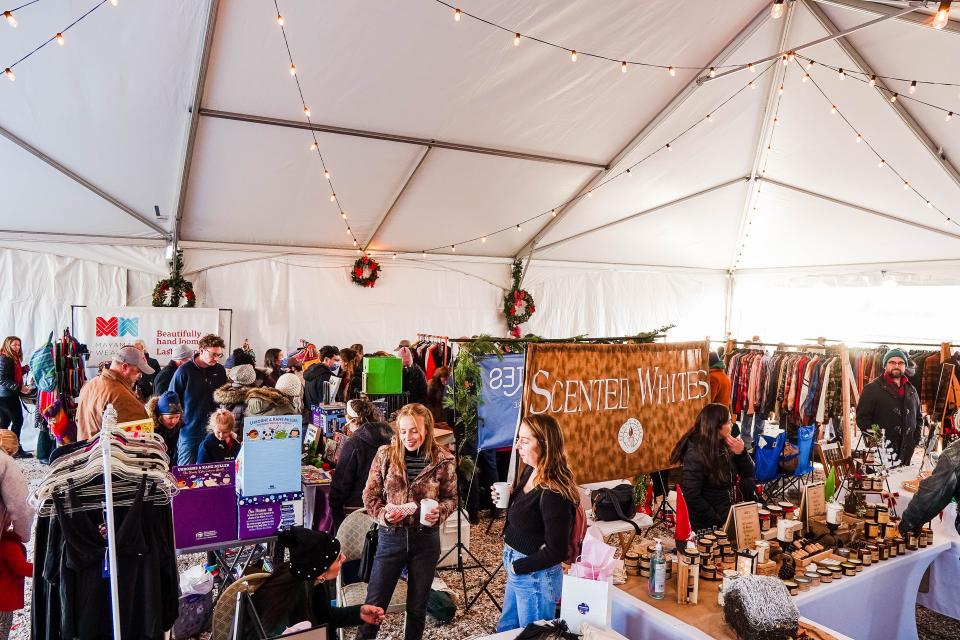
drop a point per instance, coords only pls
(175, 287)
(517, 303)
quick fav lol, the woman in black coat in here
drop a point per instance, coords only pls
(356, 456)
(712, 461)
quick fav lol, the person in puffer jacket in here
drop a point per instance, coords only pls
(284, 400)
(233, 395)
(935, 492)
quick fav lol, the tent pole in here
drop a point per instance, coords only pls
(396, 198)
(864, 6)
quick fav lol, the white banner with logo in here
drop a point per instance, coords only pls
(105, 329)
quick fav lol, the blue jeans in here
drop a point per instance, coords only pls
(751, 428)
(417, 549)
(528, 597)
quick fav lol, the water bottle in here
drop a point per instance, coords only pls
(657, 585)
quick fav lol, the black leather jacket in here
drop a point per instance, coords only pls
(935, 492)
(8, 386)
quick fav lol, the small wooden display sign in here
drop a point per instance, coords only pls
(812, 503)
(743, 524)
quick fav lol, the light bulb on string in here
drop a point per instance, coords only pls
(881, 164)
(553, 213)
(780, 91)
(629, 175)
(483, 239)
(355, 244)
(776, 9)
(806, 77)
(929, 205)
(573, 55)
(833, 108)
(114, 2)
(306, 111)
(333, 197)
(590, 193)
(59, 39)
(326, 174)
(423, 254)
(893, 98)
(313, 146)
(280, 20)
(623, 67)
(713, 72)
(709, 117)
(841, 74)
(293, 69)
(913, 87)
(671, 71)
(348, 232)
(8, 16)
(776, 121)
(949, 116)
(456, 15)
(751, 85)
(752, 68)
(873, 81)
(943, 15)
(453, 248)
(810, 64)
(792, 56)
(516, 39)
(9, 73)
(947, 221)
(784, 60)
(393, 257)
(906, 185)
(669, 148)
(519, 228)
(343, 215)
(859, 138)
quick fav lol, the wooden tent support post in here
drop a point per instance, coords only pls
(845, 401)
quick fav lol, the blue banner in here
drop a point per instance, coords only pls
(500, 397)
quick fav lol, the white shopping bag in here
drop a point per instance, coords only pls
(585, 600)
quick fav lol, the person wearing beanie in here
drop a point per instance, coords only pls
(166, 411)
(233, 395)
(296, 591)
(893, 404)
(720, 385)
(356, 456)
(286, 399)
(181, 353)
(414, 379)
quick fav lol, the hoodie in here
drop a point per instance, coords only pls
(356, 456)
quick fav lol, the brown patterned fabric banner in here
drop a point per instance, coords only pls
(622, 407)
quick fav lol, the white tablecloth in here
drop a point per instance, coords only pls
(880, 602)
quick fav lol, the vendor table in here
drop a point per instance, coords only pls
(247, 552)
(623, 530)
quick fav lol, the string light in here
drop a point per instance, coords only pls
(792, 56)
(326, 174)
(784, 60)
(280, 20)
(906, 185)
(9, 73)
(306, 111)
(59, 39)
(313, 146)
(333, 197)
(833, 108)
(713, 72)
(776, 9)
(671, 71)
(893, 98)
(752, 68)
(423, 254)
(913, 87)
(590, 193)
(516, 39)
(776, 121)
(806, 77)
(669, 148)
(752, 85)
(709, 117)
(8, 16)
(810, 64)
(780, 91)
(483, 239)
(947, 220)
(393, 257)
(553, 212)
(453, 248)
(623, 67)
(949, 116)
(293, 69)
(519, 229)
(629, 175)
(114, 2)
(343, 215)
(873, 81)
(930, 205)
(859, 138)
(943, 15)
(881, 164)
(573, 55)
(456, 15)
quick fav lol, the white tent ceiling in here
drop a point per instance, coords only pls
(440, 132)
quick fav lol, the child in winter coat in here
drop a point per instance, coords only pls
(166, 410)
(221, 442)
(13, 569)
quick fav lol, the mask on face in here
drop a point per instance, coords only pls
(335, 368)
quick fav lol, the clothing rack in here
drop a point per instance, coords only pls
(572, 340)
(109, 423)
(899, 343)
(432, 338)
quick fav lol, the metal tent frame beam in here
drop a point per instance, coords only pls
(763, 140)
(649, 128)
(860, 208)
(83, 182)
(395, 137)
(17, 235)
(920, 20)
(645, 212)
(195, 106)
(396, 198)
(935, 150)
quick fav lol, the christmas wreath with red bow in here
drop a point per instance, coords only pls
(365, 272)
(169, 291)
(517, 303)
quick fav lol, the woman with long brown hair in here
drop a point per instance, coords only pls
(413, 468)
(712, 460)
(12, 373)
(540, 517)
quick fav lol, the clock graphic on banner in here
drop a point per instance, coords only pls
(631, 435)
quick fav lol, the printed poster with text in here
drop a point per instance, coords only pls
(621, 407)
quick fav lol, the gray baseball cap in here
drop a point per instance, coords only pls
(133, 356)
(182, 351)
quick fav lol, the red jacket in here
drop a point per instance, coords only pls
(13, 569)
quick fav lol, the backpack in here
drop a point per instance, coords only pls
(43, 366)
(577, 533)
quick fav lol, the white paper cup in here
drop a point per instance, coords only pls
(426, 506)
(503, 492)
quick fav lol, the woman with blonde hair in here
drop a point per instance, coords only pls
(12, 374)
(413, 468)
(540, 517)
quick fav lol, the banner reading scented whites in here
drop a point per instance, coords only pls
(105, 329)
(622, 407)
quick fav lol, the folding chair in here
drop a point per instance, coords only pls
(831, 457)
(784, 483)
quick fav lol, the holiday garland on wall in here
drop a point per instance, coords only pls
(365, 272)
(169, 291)
(517, 303)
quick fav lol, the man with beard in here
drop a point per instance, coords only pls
(893, 404)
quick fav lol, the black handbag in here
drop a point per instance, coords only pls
(614, 504)
(369, 552)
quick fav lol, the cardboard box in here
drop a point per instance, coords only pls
(817, 526)
(262, 516)
(205, 509)
(269, 459)
(383, 375)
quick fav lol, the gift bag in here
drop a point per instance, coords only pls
(584, 600)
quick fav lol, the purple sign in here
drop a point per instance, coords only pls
(263, 516)
(205, 509)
